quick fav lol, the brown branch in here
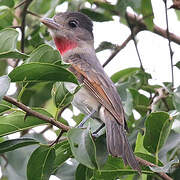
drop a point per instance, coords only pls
(147, 163)
(29, 111)
(138, 21)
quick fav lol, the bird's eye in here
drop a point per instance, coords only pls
(73, 23)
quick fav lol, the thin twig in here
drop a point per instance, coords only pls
(29, 111)
(23, 24)
(20, 4)
(132, 28)
(147, 163)
(169, 43)
(34, 14)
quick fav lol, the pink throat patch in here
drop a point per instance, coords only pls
(64, 45)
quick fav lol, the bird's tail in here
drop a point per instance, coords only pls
(117, 142)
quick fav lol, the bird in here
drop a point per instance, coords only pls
(72, 33)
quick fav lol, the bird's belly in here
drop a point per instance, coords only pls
(85, 102)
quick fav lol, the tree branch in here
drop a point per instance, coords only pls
(147, 163)
(132, 28)
(138, 21)
(169, 44)
(29, 111)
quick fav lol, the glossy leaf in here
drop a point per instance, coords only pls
(8, 39)
(4, 85)
(39, 166)
(123, 74)
(158, 126)
(41, 72)
(4, 106)
(12, 144)
(15, 122)
(82, 146)
(44, 54)
(13, 54)
(178, 64)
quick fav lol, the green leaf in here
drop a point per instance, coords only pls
(13, 144)
(97, 16)
(101, 151)
(147, 12)
(178, 64)
(149, 158)
(8, 39)
(105, 45)
(176, 99)
(83, 147)
(140, 101)
(41, 72)
(39, 166)
(139, 144)
(123, 74)
(63, 152)
(4, 84)
(4, 106)
(9, 3)
(15, 122)
(158, 127)
(40, 6)
(61, 96)
(44, 54)
(6, 18)
(13, 54)
(80, 172)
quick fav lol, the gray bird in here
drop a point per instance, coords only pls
(73, 36)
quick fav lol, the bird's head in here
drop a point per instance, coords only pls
(70, 30)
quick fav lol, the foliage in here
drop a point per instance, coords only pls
(39, 80)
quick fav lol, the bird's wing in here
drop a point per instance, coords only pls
(91, 74)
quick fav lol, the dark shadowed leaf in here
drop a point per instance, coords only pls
(9, 3)
(82, 146)
(97, 16)
(41, 72)
(4, 85)
(13, 144)
(158, 126)
(178, 64)
(63, 152)
(80, 172)
(105, 45)
(15, 122)
(39, 166)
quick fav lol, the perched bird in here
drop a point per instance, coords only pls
(73, 37)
